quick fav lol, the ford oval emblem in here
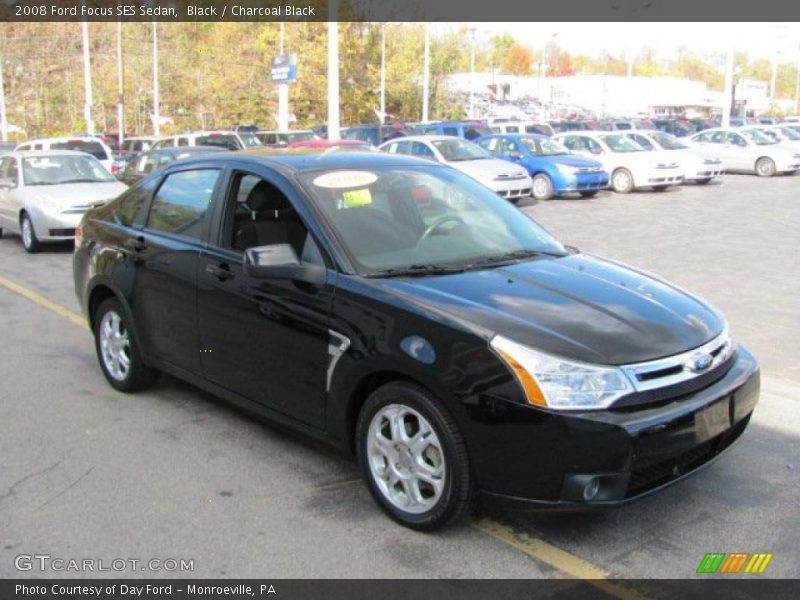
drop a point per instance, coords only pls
(700, 362)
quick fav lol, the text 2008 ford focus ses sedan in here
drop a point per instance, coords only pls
(398, 308)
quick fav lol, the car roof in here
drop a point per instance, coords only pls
(64, 138)
(303, 159)
(27, 153)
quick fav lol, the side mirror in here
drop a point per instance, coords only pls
(279, 261)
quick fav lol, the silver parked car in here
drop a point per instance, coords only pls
(43, 194)
(747, 150)
(504, 178)
(698, 164)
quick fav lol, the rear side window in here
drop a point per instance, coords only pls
(94, 148)
(450, 131)
(222, 141)
(181, 203)
(129, 208)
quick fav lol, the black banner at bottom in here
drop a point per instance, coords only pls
(395, 589)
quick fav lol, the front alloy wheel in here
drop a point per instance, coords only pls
(413, 457)
(765, 167)
(622, 181)
(542, 187)
(29, 240)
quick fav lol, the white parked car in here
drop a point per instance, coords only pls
(522, 127)
(504, 178)
(631, 166)
(230, 140)
(785, 135)
(699, 165)
(43, 194)
(80, 143)
(747, 150)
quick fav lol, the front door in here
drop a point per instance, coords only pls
(265, 339)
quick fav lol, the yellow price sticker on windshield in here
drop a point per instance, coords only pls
(356, 198)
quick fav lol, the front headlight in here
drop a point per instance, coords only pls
(566, 169)
(558, 383)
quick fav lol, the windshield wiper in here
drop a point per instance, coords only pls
(416, 271)
(509, 257)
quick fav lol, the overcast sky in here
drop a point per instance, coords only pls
(758, 39)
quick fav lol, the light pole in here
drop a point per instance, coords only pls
(426, 76)
(472, 74)
(333, 71)
(87, 80)
(3, 121)
(283, 92)
(156, 108)
(728, 94)
(120, 89)
(383, 73)
(543, 67)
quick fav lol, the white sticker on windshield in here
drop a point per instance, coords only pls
(345, 179)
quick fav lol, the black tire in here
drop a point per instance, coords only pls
(30, 242)
(703, 181)
(617, 184)
(765, 167)
(544, 185)
(660, 188)
(457, 496)
(591, 194)
(138, 376)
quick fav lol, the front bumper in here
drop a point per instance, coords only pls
(546, 459)
(512, 188)
(664, 177)
(54, 227)
(704, 172)
(584, 182)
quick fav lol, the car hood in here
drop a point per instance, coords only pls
(580, 307)
(487, 168)
(76, 194)
(574, 160)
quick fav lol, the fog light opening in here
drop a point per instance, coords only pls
(591, 489)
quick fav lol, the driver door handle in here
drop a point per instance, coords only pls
(222, 272)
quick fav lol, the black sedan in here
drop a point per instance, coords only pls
(398, 309)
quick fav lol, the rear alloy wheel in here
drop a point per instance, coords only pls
(116, 349)
(591, 194)
(29, 240)
(413, 457)
(622, 181)
(542, 187)
(765, 167)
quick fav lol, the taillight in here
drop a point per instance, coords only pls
(78, 236)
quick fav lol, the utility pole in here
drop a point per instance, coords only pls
(383, 73)
(727, 96)
(120, 89)
(426, 77)
(472, 74)
(283, 92)
(87, 80)
(3, 121)
(156, 108)
(333, 70)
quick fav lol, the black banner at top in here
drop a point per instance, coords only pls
(398, 10)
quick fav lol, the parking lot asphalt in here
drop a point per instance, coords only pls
(87, 472)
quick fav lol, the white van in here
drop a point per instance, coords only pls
(522, 127)
(230, 140)
(88, 144)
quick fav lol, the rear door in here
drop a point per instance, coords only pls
(166, 255)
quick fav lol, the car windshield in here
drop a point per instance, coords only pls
(668, 142)
(758, 137)
(300, 136)
(455, 150)
(790, 134)
(423, 220)
(220, 139)
(543, 146)
(56, 170)
(621, 143)
(94, 148)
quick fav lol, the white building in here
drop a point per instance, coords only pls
(603, 94)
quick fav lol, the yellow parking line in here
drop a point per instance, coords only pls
(28, 293)
(540, 550)
(562, 560)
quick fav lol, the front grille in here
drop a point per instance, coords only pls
(654, 475)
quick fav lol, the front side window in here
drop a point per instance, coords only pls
(402, 218)
(181, 203)
(218, 139)
(128, 209)
(9, 171)
(422, 150)
(736, 139)
(621, 143)
(459, 150)
(543, 146)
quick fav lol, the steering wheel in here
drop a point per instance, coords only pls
(438, 223)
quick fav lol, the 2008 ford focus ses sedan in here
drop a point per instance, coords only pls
(399, 309)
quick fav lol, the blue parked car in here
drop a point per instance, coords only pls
(469, 130)
(553, 168)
